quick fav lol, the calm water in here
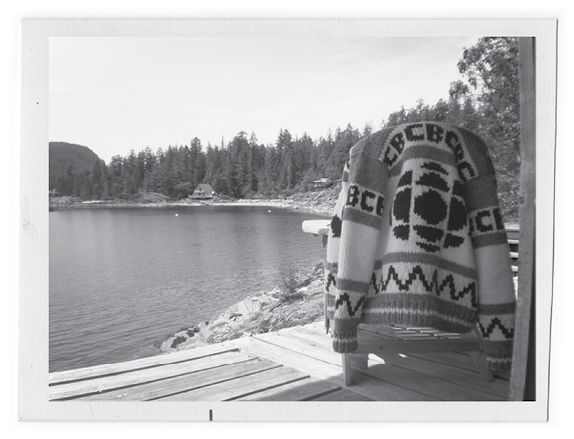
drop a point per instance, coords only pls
(123, 280)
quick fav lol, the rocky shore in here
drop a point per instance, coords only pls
(298, 301)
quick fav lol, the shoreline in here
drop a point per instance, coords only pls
(320, 202)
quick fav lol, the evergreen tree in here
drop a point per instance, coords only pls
(284, 147)
(268, 177)
(115, 176)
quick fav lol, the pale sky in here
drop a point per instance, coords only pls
(113, 94)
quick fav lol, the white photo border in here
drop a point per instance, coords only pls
(33, 402)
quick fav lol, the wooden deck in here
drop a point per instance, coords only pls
(295, 364)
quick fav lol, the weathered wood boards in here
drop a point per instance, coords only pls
(243, 386)
(106, 383)
(111, 369)
(294, 364)
(522, 375)
(302, 390)
(185, 383)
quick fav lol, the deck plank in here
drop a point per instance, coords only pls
(141, 376)
(142, 363)
(429, 384)
(455, 359)
(242, 386)
(273, 348)
(283, 339)
(468, 379)
(308, 348)
(304, 390)
(179, 384)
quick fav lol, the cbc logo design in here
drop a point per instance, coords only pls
(423, 202)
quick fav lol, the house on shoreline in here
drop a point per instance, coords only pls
(322, 183)
(202, 192)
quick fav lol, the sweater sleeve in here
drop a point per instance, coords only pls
(496, 293)
(351, 248)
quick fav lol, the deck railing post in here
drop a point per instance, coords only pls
(522, 381)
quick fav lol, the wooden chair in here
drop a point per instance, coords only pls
(386, 339)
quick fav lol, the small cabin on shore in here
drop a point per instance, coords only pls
(322, 183)
(202, 192)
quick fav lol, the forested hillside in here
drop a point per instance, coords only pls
(70, 167)
(485, 101)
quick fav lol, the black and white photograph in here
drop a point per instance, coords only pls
(241, 213)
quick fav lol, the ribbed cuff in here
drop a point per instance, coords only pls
(344, 345)
(344, 336)
(499, 355)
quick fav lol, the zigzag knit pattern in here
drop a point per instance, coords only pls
(417, 238)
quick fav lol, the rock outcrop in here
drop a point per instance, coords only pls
(282, 307)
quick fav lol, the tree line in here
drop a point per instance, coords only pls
(485, 101)
(242, 168)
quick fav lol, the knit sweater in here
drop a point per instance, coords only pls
(417, 238)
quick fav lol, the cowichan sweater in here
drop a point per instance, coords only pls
(417, 238)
